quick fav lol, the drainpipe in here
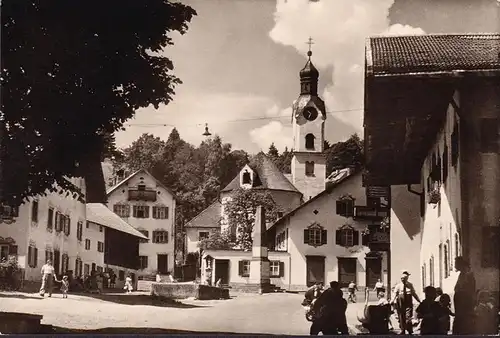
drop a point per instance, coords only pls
(289, 272)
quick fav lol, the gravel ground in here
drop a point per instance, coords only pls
(276, 313)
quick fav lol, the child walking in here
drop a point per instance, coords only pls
(429, 312)
(128, 284)
(64, 286)
(444, 318)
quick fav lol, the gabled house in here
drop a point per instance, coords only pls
(319, 235)
(116, 234)
(432, 133)
(147, 205)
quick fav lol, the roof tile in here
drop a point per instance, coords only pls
(268, 176)
(433, 53)
(208, 218)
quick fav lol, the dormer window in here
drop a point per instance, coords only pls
(247, 178)
(310, 141)
(141, 187)
(345, 206)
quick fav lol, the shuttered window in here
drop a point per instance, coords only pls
(347, 237)
(315, 236)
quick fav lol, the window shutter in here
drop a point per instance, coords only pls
(340, 208)
(349, 208)
(282, 269)
(445, 163)
(146, 211)
(240, 267)
(29, 257)
(338, 237)
(306, 236)
(355, 235)
(13, 250)
(166, 237)
(36, 257)
(69, 225)
(166, 212)
(324, 234)
(155, 212)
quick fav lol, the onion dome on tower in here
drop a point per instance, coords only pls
(309, 76)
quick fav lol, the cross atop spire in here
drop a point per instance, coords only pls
(310, 43)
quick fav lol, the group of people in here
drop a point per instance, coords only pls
(326, 309)
(95, 282)
(473, 313)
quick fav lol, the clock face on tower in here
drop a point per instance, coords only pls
(310, 113)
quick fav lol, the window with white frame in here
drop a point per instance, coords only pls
(244, 268)
(347, 237)
(315, 235)
(160, 236)
(86, 269)
(87, 244)
(122, 210)
(100, 246)
(141, 211)
(160, 212)
(274, 268)
(203, 235)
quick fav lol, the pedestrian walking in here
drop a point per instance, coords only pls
(404, 292)
(48, 275)
(352, 288)
(332, 307)
(64, 286)
(128, 284)
(379, 287)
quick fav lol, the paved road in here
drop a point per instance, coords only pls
(276, 313)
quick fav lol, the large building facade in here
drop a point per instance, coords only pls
(440, 138)
(147, 205)
(59, 228)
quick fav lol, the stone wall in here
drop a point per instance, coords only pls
(189, 290)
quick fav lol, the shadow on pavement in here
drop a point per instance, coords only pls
(19, 296)
(131, 299)
(141, 330)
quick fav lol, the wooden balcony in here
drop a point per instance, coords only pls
(142, 195)
(370, 213)
(379, 240)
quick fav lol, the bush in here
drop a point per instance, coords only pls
(10, 274)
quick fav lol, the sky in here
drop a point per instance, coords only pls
(240, 62)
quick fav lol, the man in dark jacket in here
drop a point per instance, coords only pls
(332, 307)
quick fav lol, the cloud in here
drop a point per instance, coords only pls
(225, 113)
(399, 29)
(272, 132)
(339, 30)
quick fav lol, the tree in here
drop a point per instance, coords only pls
(274, 154)
(218, 240)
(346, 153)
(285, 161)
(240, 211)
(68, 80)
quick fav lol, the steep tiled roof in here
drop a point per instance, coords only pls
(268, 176)
(119, 184)
(442, 53)
(100, 214)
(330, 187)
(208, 218)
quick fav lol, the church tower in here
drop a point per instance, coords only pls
(308, 120)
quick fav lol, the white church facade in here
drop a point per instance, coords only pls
(322, 233)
